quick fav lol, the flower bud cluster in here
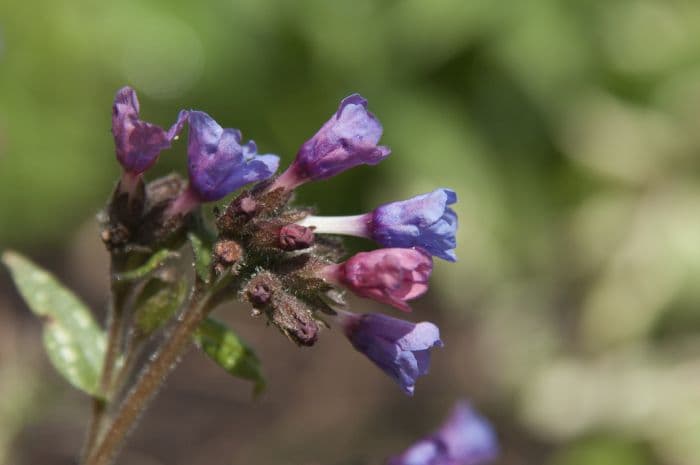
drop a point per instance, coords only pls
(285, 262)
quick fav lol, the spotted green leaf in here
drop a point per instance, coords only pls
(73, 341)
(223, 346)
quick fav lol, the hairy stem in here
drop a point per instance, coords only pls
(114, 336)
(114, 339)
(150, 379)
(96, 416)
(131, 355)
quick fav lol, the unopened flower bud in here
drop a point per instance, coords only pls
(226, 254)
(259, 294)
(295, 237)
(245, 206)
(293, 317)
(289, 314)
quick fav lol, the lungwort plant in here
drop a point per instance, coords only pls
(261, 248)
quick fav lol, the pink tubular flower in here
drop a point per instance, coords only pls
(390, 276)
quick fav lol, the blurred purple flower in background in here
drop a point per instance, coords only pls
(466, 438)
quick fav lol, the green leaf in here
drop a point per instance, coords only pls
(157, 302)
(223, 346)
(73, 341)
(152, 264)
(202, 240)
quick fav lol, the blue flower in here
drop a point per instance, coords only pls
(137, 142)
(400, 348)
(466, 438)
(346, 140)
(424, 221)
(218, 163)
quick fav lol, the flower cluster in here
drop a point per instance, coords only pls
(282, 259)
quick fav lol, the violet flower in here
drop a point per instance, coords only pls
(138, 143)
(424, 221)
(218, 163)
(346, 140)
(390, 276)
(466, 438)
(400, 348)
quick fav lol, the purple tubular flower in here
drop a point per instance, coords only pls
(466, 438)
(390, 276)
(424, 221)
(400, 348)
(218, 162)
(346, 140)
(137, 142)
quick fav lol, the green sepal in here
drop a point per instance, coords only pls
(153, 263)
(74, 342)
(202, 241)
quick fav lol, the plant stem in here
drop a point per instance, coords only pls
(150, 379)
(114, 338)
(96, 416)
(131, 355)
(115, 335)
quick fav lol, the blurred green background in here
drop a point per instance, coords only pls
(569, 128)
